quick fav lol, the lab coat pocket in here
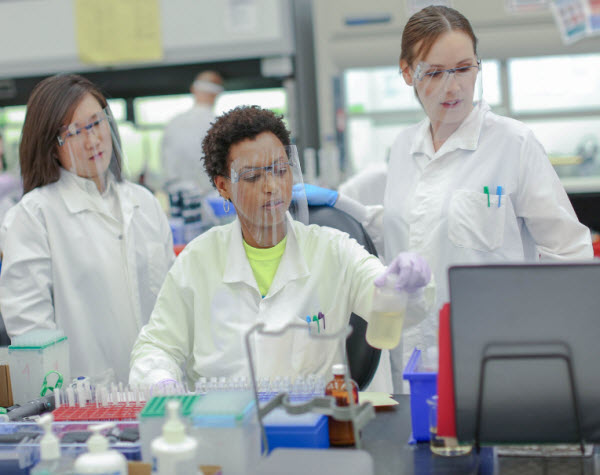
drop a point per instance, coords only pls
(157, 265)
(476, 223)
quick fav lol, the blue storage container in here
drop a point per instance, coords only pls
(296, 430)
(423, 385)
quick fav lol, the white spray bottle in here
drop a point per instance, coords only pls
(99, 459)
(174, 453)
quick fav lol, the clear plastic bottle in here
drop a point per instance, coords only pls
(341, 432)
(51, 463)
(387, 315)
(99, 459)
(174, 453)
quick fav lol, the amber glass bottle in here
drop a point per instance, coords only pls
(341, 432)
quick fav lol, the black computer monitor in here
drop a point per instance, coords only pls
(526, 352)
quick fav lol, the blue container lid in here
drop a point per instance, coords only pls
(223, 409)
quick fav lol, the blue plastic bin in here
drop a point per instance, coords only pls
(296, 430)
(423, 385)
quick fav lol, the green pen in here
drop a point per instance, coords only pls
(487, 192)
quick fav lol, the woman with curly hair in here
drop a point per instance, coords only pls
(265, 267)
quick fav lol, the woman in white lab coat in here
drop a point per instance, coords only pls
(264, 267)
(84, 250)
(465, 186)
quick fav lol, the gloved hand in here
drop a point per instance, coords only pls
(165, 386)
(315, 195)
(410, 270)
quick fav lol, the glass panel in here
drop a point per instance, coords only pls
(369, 142)
(274, 99)
(14, 115)
(573, 145)
(490, 70)
(377, 89)
(555, 83)
(118, 108)
(159, 110)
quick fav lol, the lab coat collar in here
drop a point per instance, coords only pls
(81, 194)
(466, 137)
(291, 267)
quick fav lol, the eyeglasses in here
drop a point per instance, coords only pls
(68, 132)
(254, 174)
(434, 74)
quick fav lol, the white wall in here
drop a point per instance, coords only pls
(38, 37)
(500, 34)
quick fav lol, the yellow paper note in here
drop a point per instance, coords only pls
(118, 31)
(377, 399)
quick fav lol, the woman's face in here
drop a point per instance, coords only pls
(260, 187)
(447, 96)
(86, 139)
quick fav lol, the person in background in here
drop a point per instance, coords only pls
(264, 267)
(84, 250)
(182, 139)
(465, 185)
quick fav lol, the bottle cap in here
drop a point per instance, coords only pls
(338, 369)
(49, 444)
(97, 442)
(174, 429)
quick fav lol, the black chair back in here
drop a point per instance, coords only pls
(363, 359)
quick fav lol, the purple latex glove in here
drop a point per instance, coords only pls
(410, 270)
(164, 386)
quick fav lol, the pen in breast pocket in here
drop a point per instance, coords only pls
(486, 190)
(499, 193)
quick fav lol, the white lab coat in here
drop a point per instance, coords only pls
(210, 298)
(70, 263)
(182, 149)
(435, 205)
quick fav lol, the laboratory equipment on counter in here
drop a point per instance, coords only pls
(342, 389)
(174, 453)
(50, 460)
(31, 356)
(387, 315)
(100, 459)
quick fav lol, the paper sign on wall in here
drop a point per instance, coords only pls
(118, 31)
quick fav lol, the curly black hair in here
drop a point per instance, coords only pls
(241, 123)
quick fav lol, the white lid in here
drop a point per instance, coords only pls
(339, 369)
(97, 442)
(173, 429)
(49, 444)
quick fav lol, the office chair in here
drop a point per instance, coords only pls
(363, 359)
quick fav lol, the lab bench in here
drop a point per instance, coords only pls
(386, 439)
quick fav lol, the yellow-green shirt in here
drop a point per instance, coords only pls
(264, 263)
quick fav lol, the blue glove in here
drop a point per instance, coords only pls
(410, 270)
(315, 195)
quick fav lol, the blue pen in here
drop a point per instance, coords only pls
(499, 193)
(308, 320)
(486, 190)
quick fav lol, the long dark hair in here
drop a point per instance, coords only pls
(51, 104)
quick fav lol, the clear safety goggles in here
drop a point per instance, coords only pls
(261, 191)
(435, 74)
(448, 95)
(97, 124)
(91, 148)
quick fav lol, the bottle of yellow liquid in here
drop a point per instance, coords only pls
(387, 315)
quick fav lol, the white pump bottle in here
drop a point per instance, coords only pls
(174, 453)
(99, 459)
